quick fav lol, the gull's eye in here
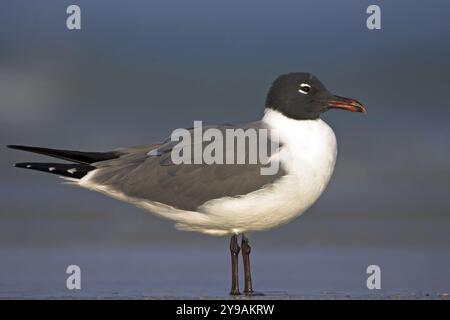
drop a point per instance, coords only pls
(304, 88)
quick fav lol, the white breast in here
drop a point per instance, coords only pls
(308, 155)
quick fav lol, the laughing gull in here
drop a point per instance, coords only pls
(223, 199)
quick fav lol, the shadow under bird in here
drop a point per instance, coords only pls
(223, 199)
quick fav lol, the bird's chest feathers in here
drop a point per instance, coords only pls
(308, 153)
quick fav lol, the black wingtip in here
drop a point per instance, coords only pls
(72, 170)
(26, 165)
(70, 155)
(18, 147)
(22, 165)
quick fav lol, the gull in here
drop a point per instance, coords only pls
(216, 198)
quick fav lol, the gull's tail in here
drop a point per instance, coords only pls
(77, 170)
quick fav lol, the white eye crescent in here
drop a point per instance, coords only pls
(304, 88)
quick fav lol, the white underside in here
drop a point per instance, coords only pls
(308, 155)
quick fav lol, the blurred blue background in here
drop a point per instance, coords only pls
(139, 69)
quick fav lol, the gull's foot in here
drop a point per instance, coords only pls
(253, 294)
(235, 292)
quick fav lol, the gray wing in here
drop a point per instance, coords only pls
(155, 177)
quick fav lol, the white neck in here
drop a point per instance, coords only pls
(277, 120)
(310, 142)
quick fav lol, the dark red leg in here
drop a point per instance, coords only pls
(248, 289)
(234, 249)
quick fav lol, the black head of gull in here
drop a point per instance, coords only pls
(302, 96)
